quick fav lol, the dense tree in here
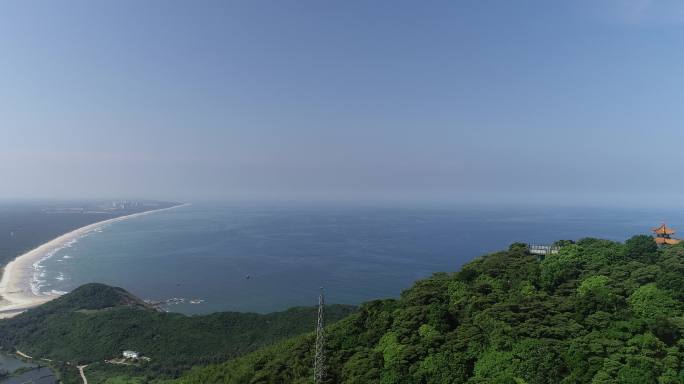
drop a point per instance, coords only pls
(642, 248)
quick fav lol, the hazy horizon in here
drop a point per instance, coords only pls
(573, 103)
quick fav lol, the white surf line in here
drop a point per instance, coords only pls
(15, 285)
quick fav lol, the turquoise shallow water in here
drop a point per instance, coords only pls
(265, 258)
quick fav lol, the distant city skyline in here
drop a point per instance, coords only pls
(470, 101)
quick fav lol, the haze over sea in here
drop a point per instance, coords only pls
(208, 251)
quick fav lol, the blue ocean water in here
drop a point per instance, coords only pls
(264, 258)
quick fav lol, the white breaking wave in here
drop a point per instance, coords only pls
(37, 281)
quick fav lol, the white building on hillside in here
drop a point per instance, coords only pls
(131, 354)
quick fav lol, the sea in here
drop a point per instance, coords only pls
(208, 257)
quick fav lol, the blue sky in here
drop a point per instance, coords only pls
(567, 101)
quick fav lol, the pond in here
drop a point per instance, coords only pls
(24, 372)
(10, 363)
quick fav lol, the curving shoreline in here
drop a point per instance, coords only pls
(15, 285)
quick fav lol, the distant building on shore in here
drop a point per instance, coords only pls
(663, 235)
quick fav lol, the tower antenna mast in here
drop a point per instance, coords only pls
(319, 358)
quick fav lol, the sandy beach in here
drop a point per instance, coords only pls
(15, 286)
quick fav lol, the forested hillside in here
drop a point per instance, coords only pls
(596, 312)
(97, 322)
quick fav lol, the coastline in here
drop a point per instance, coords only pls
(16, 288)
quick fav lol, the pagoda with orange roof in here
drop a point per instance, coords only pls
(663, 235)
